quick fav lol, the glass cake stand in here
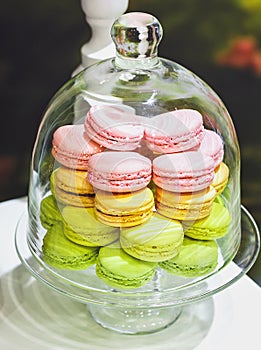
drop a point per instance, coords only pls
(150, 308)
(150, 87)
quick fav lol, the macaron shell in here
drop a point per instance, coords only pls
(157, 240)
(183, 172)
(124, 220)
(119, 171)
(221, 177)
(185, 206)
(66, 198)
(49, 212)
(124, 203)
(196, 258)
(214, 226)
(70, 180)
(72, 187)
(114, 127)
(81, 226)
(120, 270)
(71, 148)
(174, 131)
(212, 146)
(124, 209)
(60, 252)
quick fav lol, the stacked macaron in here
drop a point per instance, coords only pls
(174, 131)
(114, 127)
(188, 170)
(135, 213)
(72, 200)
(183, 184)
(189, 174)
(120, 181)
(72, 151)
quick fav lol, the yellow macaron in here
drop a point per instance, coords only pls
(124, 209)
(70, 186)
(221, 177)
(185, 206)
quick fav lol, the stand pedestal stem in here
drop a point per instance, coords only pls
(134, 320)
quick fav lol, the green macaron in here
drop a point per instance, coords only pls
(159, 239)
(49, 212)
(82, 227)
(196, 258)
(120, 270)
(214, 226)
(61, 253)
(219, 200)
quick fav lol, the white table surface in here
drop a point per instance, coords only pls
(32, 316)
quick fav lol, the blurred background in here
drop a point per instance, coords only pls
(219, 40)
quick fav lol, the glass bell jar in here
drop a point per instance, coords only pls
(134, 198)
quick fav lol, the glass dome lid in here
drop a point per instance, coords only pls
(136, 168)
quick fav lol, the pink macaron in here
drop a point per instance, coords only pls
(114, 127)
(71, 149)
(212, 146)
(119, 171)
(183, 172)
(174, 131)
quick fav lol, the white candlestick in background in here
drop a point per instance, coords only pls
(100, 15)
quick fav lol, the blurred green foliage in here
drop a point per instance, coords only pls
(196, 30)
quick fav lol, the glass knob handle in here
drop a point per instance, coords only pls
(136, 36)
